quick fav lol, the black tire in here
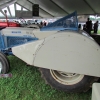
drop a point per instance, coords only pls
(82, 86)
(5, 63)
(7, 60)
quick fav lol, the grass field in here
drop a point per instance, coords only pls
(97, 32)
(27, 84)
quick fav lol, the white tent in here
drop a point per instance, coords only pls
(53, 8)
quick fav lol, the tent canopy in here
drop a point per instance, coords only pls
(57, 8)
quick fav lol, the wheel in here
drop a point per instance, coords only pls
(6, 59)
(70, 82)
(4, 63)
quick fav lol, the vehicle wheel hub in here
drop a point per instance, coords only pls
(66, 78)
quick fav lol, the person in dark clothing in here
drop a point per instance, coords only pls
(96, 27)
(88, 26)
(44, 23)
(84, 27)
(79, 26)
(41, 23)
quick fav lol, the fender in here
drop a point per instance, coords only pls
(66, 51)
(70, 52)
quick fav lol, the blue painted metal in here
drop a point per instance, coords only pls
(69, 22)
(2, 44)
(7, 42)
(14, 41)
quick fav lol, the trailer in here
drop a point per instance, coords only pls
(68, 59)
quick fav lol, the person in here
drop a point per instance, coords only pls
(44, 23)
(79, 26)
(41, 23)
(88, 26)
(84, 27)
(96, 27)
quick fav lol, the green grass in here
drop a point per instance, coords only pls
(27, 84)
(97, 32)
